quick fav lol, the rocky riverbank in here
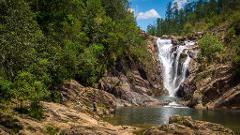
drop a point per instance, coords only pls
(73, 116)
(60, 119)
(184, 125)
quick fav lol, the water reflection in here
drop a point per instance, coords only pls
(143, 115)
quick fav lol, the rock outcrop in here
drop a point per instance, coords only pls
(82, 98)
(209, 85)
(214, 87)
(133, 82)
(184, 125)
(60, 119)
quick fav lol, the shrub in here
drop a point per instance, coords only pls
(27, 88)
(5, 89)
(50, 130)
(210, 46)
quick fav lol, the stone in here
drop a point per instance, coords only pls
(185, 125)
(67, 121)
(81, 98)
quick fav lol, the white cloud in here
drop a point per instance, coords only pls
(152, 13)
(180, 3)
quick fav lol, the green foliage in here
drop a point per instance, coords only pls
(5, 89)
(91, 67)
(233, 41)
(50, 130)
(36, 110)
(27, 88)
(196, 16)
(18, 37)
(44, 42)
(210, 46)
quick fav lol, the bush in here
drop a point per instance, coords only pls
(26, 87)
(210, 46)
(35, 110)
(50, 130)
(236, 65)
(5, 90)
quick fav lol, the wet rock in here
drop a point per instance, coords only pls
(185, 125)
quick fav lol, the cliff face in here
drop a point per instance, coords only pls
(212, 88)
(211, 85)
(133, 82)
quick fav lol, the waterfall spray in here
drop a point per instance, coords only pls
(173, 65)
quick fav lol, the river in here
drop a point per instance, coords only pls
(150, 116)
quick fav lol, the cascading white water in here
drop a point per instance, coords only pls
(173, 65)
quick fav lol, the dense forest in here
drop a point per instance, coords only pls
(195, 16)
(45, 42)
(211, 17)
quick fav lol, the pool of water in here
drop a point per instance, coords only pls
(160, 115)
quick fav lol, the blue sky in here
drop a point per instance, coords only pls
(147, 11)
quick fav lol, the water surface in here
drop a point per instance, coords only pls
(160, 115)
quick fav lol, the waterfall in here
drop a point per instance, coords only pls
(174, 62)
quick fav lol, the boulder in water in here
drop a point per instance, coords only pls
(185, 125)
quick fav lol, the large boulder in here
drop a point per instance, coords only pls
(82, 98)
(125, 90)
(185, 125)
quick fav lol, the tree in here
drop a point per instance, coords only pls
(19, 35)
(210, 46)
(151, 30)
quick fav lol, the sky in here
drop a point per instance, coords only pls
(147, 11)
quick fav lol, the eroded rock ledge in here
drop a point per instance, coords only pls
(60, 119)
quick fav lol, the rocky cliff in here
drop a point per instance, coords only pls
(133, 82)
(211, 85)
